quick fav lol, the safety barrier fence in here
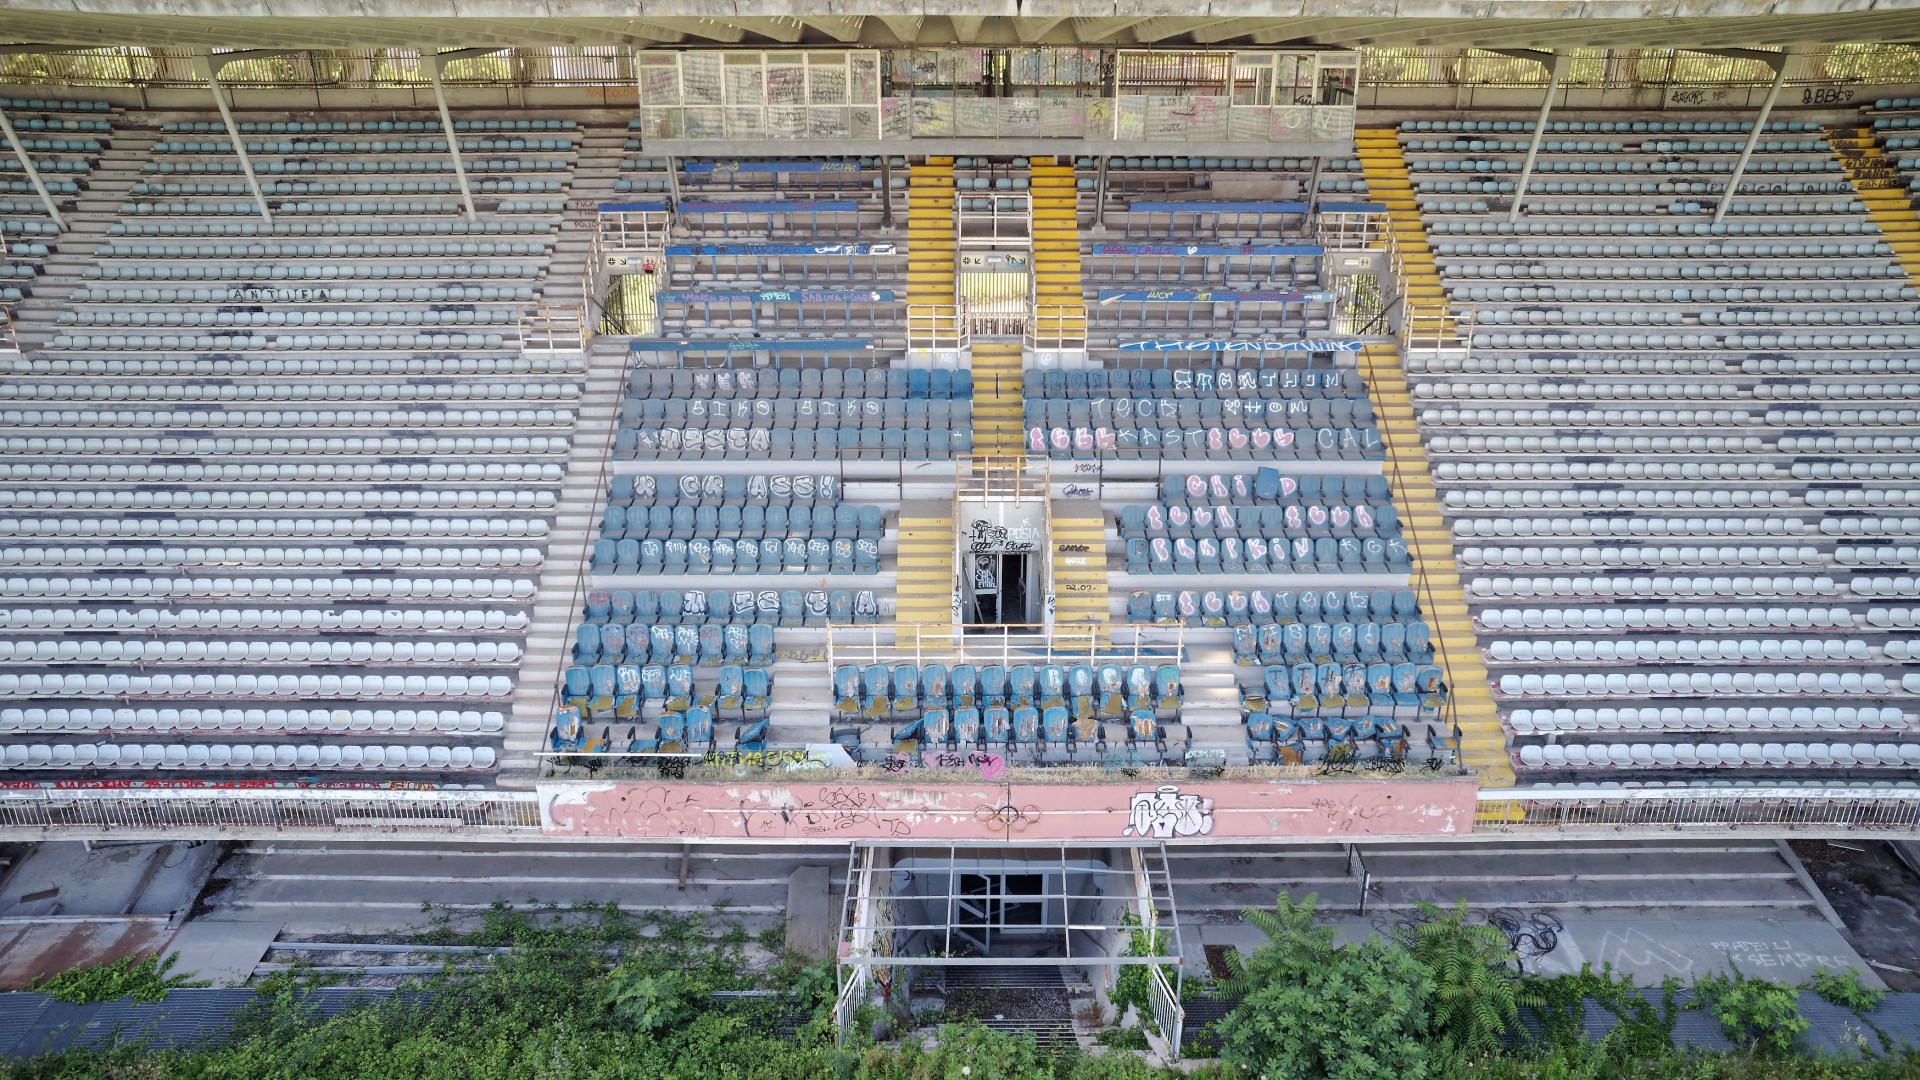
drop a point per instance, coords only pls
(174, 812)
(614, 66)
(1003, 644)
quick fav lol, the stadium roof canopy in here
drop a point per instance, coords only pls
(1544, 24)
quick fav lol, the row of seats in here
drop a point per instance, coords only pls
(288, 471)
(461, 226)
(231, 557)
(1644, 391)
(1311, 519)
(401, 721)
(357, 146)
(626, 690)
(1691, 650)
(472, 165)
(241, 588)
(256, 272)
(1342, 642)
(721, 555)
(1694, 718)
(1258, 555)
(916, 384)
(1289, 740)
(1292, 412)
(1181, 383)
(752, 521)
(1663, 618)
(700, 414)
(481, 185)
(1403, 691)
(669, 490)
(201, 756)
(230, 342)
(118, 684)
(771, 607)
(273, 527)
(1107, 690)
(1591, 127)
(307, 366)
(162, 620)
(368, 249)
(460, 316)
(201, 650)
(191, 446)
(708, 646)
(328, 391)
(328, 127)
(1660, 499)
(783, 444)
(1482, 588)
(1261, 607)
(1696, 684)
(1721, 755)
(1312, 444)
(1270, 485)
(305, 419)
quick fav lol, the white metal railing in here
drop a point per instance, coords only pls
(612, 69)
(1436, 328)
(1004, 644)
(161, 812)
(993, 216)
(1057, 328)
(1013, 478)
(1352, 230)
(9, 341)
(633, 232)
(555, 327)
(938, 326)
(1735, 808)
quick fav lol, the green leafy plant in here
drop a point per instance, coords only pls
(142, 979)
(1133, 985)
(1755, 1012)
(649, 1001)
(1474, 990)
(1645, 1028)
(1311, 1008)
(1844, 988)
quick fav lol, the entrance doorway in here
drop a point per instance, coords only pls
(998, 588)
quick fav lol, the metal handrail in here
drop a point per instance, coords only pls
(576, 603)
(1005, 477)
(555, 327)
(938, 326)
(1057, 328)
(1399, 473)
(1004, 644)
(9, 341)
(1847, 807)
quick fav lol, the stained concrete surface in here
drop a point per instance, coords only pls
(1878, 898)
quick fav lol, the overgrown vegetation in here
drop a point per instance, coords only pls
(142, 979)
(594, 992)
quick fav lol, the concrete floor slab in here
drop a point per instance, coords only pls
(222, 951)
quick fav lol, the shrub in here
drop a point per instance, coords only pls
(145, 979)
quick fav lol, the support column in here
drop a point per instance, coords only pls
(1778, 62)
(436, 64)
(206, 67)
(1556, 66)
(33, 174)
(886, 191)
(1100, 195)
(673, 183)
(1313, 187)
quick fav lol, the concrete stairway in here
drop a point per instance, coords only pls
(562, 586)
(1385, 168)
(1079, 541)
(924, 576)
(1056, 237)
(998, 420)
(1879, 184)
(1436, 578)
(930, 232)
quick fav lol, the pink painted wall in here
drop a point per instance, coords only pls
(838, 812)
